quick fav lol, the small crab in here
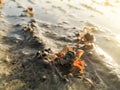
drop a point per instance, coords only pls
(87, 38)
(80, 64)
(30, 11)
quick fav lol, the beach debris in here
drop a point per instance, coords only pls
(30, 11)
(64, 51)
(72, 57)
(68, 61)
(80, 64)
(87, 39)
(89, 82)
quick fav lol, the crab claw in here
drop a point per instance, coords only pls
(89, 30)
(79, 64)
(68, 48)
(79, 53)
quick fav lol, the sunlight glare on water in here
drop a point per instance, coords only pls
(108, 59)
(118, 38)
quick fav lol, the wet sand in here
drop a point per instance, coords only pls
(55, 26)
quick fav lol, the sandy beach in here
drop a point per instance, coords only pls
(31, 26)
